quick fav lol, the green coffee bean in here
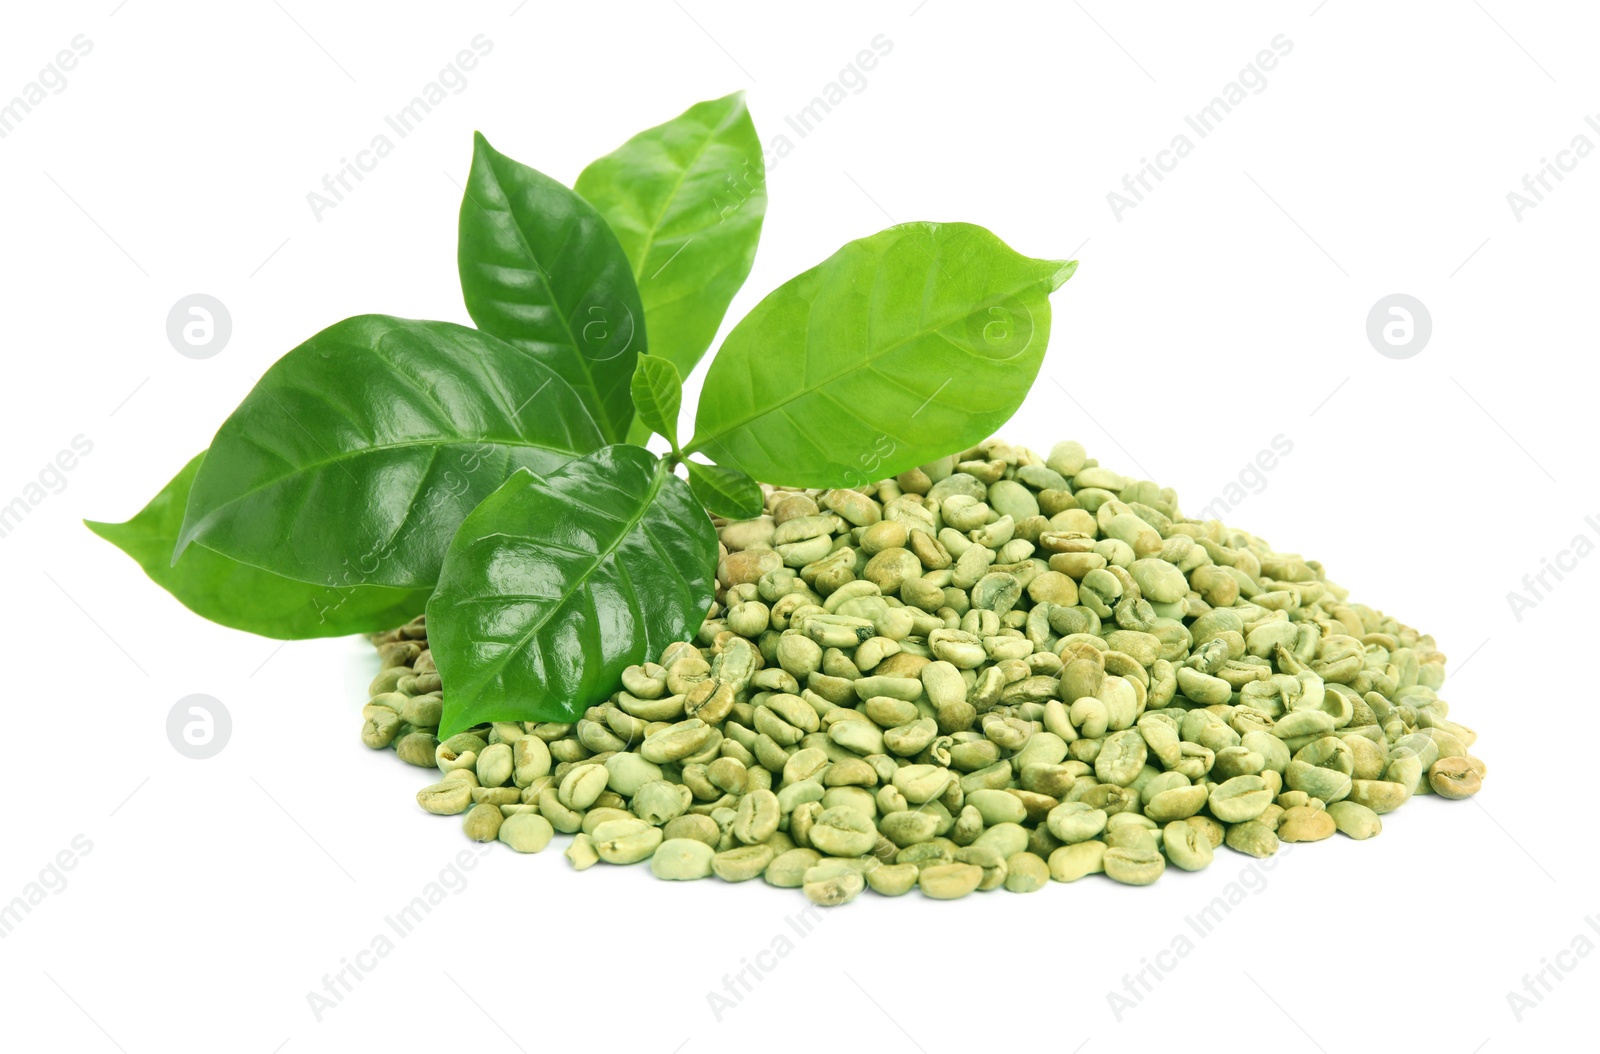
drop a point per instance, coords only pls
(742, 863)
(1072, 862)
(530, 759)
(893, 880)
(802, 765)
(1213, 830)
(910, 739)
(832, 882)
(850, 797)
(1252, 838)
(626, 772)
(1405, 767)
(700, 828)
(990, 860)
(843, 832)
(626, 841)
(1026, 873)
(788, 868)
(676, 741)
(1004, 838)
(936, 851)
(921, 783)
(1304, 723)
(483, 822)
(1324, 783)
(496, 796)
(949, 881)
(1454, 777)
(755, 776)
(561, 818)
(658, 801)
(416, 748)
(1135, 866)
(1355, 820)
(1239, 799)
(1075, 821)
(1186, 846)
(446, 798)
(567, 752)
(885, 690)
(581, 853)
(863, 736)
(582, 785)
(1305, 824)
(1177, 804)
(757, 817)
(382, 727)
(526, 832)
(801, 820)
(681, 859)
(1378, 795)
(795, 795)
(997, 806)
(1132, 838)
(387, 680)
(454, 753)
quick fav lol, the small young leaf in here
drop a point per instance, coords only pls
(244, 597)
(357, 455)
(542, 270)
(556, 584)
(896, 350)
(725, 491)
(686, 199)
(658, 396)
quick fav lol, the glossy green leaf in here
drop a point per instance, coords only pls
(557, 583)
(357, 455)
(658, 396)
(244, 597)
(542, 270)
(896, 350)
(686, 199)
(725, 491)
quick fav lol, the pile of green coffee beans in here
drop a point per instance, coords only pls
(991, 671)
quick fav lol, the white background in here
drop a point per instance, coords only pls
(1227, 308)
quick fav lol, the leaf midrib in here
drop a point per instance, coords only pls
(698, 443)
(683, 174)
(349, 455)
(555, 303)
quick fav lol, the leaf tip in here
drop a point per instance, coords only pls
(185, 536)
(453, 716)
(1064, 269)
